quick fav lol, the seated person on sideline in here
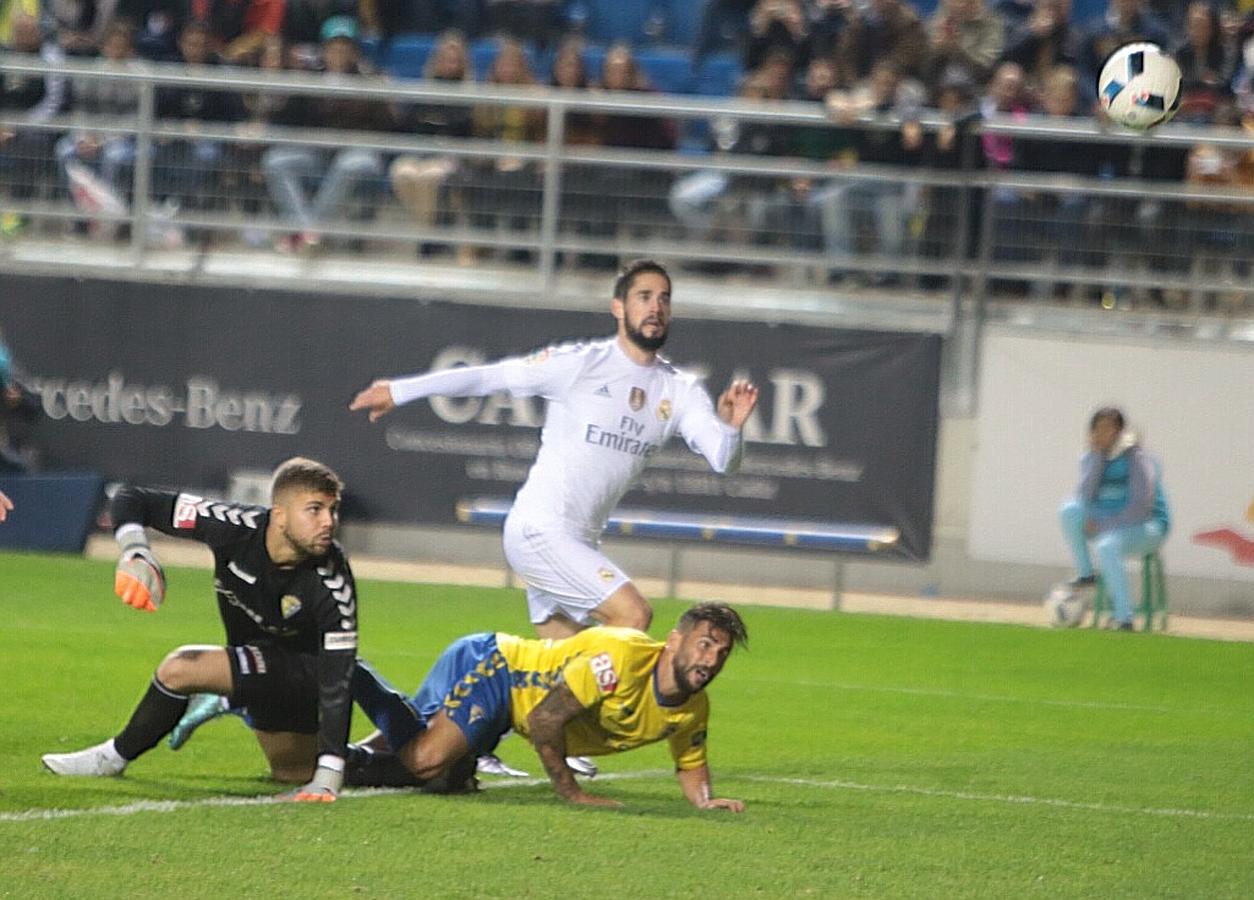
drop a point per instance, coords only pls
(1120, 505)
(287, 600)
(604, 690)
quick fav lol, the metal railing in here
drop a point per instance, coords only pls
(952, 237)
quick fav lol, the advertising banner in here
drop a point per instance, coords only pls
(183, 385)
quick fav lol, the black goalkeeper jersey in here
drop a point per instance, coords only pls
(308, 608)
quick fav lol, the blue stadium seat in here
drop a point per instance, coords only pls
(619, 20)
(669, 71)
(683, 22)
(594, 61)
(718, 75)
(406, 55)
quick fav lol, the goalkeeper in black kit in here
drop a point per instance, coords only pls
(288, 602)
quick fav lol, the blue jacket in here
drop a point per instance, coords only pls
(1123, 491)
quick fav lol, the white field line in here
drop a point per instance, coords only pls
(998, 698)
(164, 806)
(1008, 799)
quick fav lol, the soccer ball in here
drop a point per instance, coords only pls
(1139, 86)
(1063, 607)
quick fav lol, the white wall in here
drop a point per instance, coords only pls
(1193, 404)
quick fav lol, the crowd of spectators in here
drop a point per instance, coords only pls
(878, 58)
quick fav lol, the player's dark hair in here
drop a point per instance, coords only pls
(627, 277)
(1113, 413)
(299, 472)
(720, 616)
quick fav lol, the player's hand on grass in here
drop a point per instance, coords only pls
(737, 402)
(585, 799)
(377, 399)
(139, 580)
(736, 806)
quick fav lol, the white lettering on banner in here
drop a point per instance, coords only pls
(204, 404)
(208, 406)
(795, 399)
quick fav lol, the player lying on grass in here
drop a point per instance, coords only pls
(287, 601)
(603, 690)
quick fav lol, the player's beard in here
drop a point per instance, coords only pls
(683, 679)
(643, 341)
(305, 549)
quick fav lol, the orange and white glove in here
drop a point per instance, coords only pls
(138, 580)
(325, 785)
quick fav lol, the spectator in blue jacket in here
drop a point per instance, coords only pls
(1120, 506)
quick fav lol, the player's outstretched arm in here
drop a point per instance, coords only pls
(377, 399)
(547, 723)
(5, 505)
(695, 783)
(737, 402)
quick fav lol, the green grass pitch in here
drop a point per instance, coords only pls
(878, 756)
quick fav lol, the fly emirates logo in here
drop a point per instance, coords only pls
(628, 438)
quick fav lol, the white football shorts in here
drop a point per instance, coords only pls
(563, 574)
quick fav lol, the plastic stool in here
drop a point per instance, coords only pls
(1153, 594)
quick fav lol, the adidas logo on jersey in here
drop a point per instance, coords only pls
(602, 391)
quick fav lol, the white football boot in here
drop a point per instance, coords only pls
(99, 761)
(581, 765)
(491, 764)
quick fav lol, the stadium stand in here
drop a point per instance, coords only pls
(1179, 234)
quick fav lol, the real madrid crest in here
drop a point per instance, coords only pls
(636, 399)
(664, 410)
(289, 606)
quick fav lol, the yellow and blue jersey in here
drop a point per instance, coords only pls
(613, 673)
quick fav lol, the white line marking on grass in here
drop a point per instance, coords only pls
(1010, 799)
(995, 698)
(166, 806)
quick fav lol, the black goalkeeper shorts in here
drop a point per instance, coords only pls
(277, 687)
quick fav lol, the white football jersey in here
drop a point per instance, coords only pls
(606, 416)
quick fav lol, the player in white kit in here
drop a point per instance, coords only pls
(612, 403)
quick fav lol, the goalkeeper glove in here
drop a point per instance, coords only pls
(138, 580)
(325, 785)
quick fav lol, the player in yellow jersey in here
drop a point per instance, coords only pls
(603, 690)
